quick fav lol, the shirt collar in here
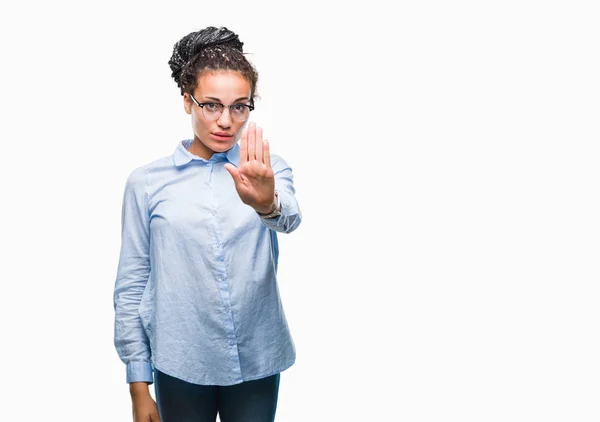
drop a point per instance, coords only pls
(182, 156)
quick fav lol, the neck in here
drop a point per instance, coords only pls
(201, 150)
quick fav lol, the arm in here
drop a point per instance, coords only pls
(133, 271)
(291, 216)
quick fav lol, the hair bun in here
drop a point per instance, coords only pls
(213, 36)
(193, 43)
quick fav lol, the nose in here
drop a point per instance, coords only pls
(223, 120)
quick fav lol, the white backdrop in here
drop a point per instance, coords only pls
(445, 157)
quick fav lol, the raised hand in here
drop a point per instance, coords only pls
(254, 179)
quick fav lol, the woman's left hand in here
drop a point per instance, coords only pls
(254, 179)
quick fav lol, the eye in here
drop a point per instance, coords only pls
(239, 108)
(212, 106)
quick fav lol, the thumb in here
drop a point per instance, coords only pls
(235, 173)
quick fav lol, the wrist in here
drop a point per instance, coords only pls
(265, 211)
(268, 209)
(138, 388)
(273, 211)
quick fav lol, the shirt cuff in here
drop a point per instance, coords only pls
(139, 371)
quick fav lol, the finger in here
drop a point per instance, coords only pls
(235, 173)
(252, 142)
(259, 145)
(244, 147)
(267, 153)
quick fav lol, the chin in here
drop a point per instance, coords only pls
(222, 147)
(219, 148)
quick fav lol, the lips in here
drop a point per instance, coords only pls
(221, 136)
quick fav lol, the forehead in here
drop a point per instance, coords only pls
(223, 85)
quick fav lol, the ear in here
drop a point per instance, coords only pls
(187, 103)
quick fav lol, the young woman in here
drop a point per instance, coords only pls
(197, 306)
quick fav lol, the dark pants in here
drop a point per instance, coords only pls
(181, 401)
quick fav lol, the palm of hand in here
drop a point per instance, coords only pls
(256, 185)
(254, 178)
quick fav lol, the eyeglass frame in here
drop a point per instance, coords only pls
(201, 105)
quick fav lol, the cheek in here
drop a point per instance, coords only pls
(198, 123)
(239, 126)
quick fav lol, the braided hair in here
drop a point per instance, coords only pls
(208, 50)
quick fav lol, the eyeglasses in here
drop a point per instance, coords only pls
(212, 111)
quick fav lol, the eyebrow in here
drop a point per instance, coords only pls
(217, 99)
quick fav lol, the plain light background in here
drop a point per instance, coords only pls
(445, 157)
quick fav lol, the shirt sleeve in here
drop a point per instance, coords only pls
(130, 339)
(290, 216)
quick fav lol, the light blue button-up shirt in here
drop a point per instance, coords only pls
(196, 293)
